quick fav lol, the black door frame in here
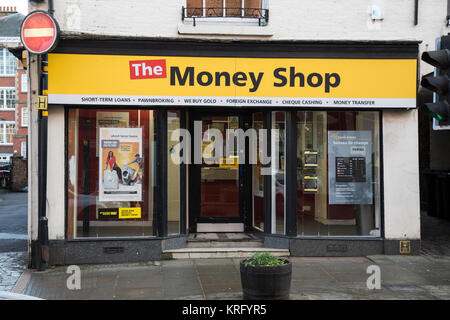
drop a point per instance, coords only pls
(245, 176)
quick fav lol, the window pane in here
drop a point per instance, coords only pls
(219, 179)
(111, 172)
(258, 178)
(2, 61)
(278, 172)
(214, 8)
(10, 63)
(194, 8)
(173, 172)
(24, 83)
(7, 63)
(251, 8)
(6, 132)
(233, 8)
(338, 173)
(10, 98)
(24, 117)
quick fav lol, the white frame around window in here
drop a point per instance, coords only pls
(264, 5)
(5, 55)
(3, 133)
(23, 149)
(24, 82)
(24, 111)
(3, 98)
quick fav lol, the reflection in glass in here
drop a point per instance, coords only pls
(219, 179)
(102, 175)
(338, 173)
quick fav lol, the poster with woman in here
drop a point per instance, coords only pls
(120, 164)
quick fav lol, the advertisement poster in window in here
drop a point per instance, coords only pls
(350, 167)
(120, 164)
(112, 120)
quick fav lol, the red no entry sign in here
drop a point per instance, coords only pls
(39, 32)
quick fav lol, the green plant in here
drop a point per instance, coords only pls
(263, 259)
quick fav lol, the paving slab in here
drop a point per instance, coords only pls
(217, 279)
(12, 265)
(180, 280)
(308, 272)
(395, 274)
(345, 267)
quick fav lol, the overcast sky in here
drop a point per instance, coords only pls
(21, 5)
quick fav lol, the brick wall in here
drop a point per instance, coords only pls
(18, 174)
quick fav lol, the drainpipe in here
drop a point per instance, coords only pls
(51, 9)
(448, 13)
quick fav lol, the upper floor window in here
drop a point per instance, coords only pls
(24, 83)
(24, 117)
(7, 98)
(240, 10)
(6, 132)
(7, 63)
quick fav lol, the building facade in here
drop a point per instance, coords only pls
(319, 100)
(13, 90)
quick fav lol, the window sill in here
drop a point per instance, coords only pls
(220, 29)
(6, 144)
(7, 109)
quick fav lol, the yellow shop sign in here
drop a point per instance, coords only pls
(222, 81)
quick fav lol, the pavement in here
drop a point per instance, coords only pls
(402, 277)
(12, 265)
(426, 276)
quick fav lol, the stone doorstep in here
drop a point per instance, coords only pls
(225, 244)
(205, 253)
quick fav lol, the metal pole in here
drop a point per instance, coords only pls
(43, 249)
(448, 13)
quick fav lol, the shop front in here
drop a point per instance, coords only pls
(164, 139)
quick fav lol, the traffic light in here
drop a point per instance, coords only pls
(439, 82)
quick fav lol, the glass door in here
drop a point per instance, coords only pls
(216, 182)
(219, 174)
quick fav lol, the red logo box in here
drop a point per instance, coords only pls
(148, 69)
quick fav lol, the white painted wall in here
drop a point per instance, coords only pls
(55, 173)
(289, 20)
(401, 174)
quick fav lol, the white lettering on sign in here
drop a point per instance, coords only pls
(147, 69)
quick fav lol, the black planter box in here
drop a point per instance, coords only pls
(266, 283)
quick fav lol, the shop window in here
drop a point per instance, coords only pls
(111, 172)
(338, 175)
(7, 98)
(246, 10)
(6, 132)
(7, 63)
